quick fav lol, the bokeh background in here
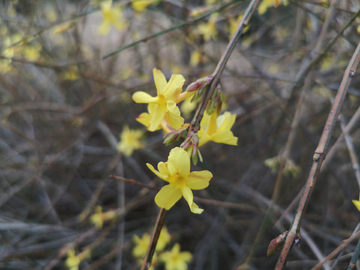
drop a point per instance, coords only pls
(63, 108)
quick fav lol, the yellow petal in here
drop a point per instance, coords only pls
(168, 196)
(225, 121)
(144, 119)
(180, 160)
(357, 204)
(174, 87)
(204, 139)
(163, 168)
(174, 121)
(224, 136)
(156, 118)
(186, 255)
(104, 28)
(160, 81)
(143, 97)
(188, 195)
(164, 177)
(196, 209)
(198, 180)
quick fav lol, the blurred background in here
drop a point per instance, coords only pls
(64, 106)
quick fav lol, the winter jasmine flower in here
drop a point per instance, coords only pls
(176, 171)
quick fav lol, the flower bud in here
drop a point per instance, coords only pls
(175, 135)
(276, 244)
(215, 101)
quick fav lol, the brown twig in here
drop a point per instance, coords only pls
(319, 157)
(337, 250)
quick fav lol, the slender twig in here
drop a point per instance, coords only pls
(244, 207)
(168, 30)
(337, 250)
(319, 157)
(195, 123)
(154, 238)
(285, 155)
(355, 256)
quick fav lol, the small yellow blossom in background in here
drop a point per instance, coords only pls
(99, 217)
(70, 74)
(357, 203)
(208, 30)
(187, 107)
(51, 15)
(195, 58)
(5, 66)
(265, 4)
(141, 5)
(164, 105)
(217, 128)
(111, 16)
(176, 171)
(176, 260)
(234, 24)
(73, 261)
(142, 244)
(64, 27)
(130, 140)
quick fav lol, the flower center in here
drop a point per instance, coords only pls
(177, 181)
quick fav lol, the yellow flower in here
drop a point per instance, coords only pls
(164, 105)
(176, 260)
(176, 171)
(142, 244)
(265, 4)
(73, 261)
(357, 203)
(208, 30)
(187, 107)
(130, 140)
(140, 5)
(217, 128)
(195, 58)
(99, 217)
(111, 16)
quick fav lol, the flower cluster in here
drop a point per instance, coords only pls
(163, 113)
(173, 260)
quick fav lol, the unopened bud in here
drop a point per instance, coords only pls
(276, 244)
(215, 101)
(175, 135)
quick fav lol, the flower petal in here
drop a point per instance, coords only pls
(224, 136)
(160, 81)
(196, 209)
(156, 118)
(174, 121)
(174, 87)
(163, 168)
(164, 177)
(198, 180)
(104, 28)
(226, 121)
(168, 196)
(357, 204)
(143, 97)
(203, 139)
(188, 195)
(144, 119)
(180, 160)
